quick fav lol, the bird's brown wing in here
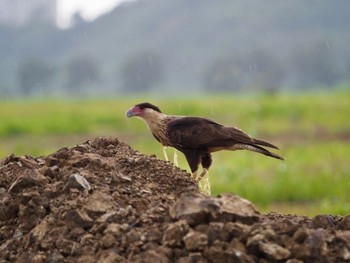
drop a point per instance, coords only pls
(201, 133)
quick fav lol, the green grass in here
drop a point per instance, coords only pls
(312, 130)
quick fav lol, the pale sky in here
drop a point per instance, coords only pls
(89, 9)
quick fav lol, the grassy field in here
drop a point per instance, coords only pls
(312, 131)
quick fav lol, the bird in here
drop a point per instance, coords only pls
(197, 137)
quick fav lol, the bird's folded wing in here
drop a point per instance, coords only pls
(196, 132)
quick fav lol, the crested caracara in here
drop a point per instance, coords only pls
(197, 137)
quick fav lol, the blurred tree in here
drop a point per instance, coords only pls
(265, 72)
(141, 70)
(35, 74)
(314, 65)
(83, 71)
(224, 74)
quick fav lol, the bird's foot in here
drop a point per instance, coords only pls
(203, 182)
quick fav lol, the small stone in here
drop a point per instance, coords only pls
(39, 232)
(274, 251)
(55, 257)
(194, 257)
(345, 223)
(300, 235)
(75, 218)
(344, 254)
(109, 256)
(66, 247)
(77, 181)
(215, 254)
(293, 260)
(323, 221)
(150, 256)
(237, 253)
(28, 179)
(115, 229)
(195, 240)
(108, 240)
(38, 258)
(174, 233)
(98, 204)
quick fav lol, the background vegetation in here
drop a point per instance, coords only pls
(312, 131)
(157, 46)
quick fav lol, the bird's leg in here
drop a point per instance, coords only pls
(194, 175)
(198, 178)
(203, 173)
(164, 153)
(175, 158)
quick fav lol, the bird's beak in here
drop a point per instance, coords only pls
(129, 113)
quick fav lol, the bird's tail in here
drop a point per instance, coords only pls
(259, 149)
(264, 143)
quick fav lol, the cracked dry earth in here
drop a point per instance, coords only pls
(101, 201)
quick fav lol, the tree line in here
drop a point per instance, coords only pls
(144, 70)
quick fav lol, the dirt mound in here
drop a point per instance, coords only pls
(103, 202)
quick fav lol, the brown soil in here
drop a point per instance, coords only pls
(103, 202)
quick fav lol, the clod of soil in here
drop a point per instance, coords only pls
(101, 201)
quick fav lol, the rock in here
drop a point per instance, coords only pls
(323, 221)
(194, 257)
(274, 251)
(38, 258)
(150, 256)
(154, 234)
(74, 218)
(109, 256)
(236, 252)
(55, 257)
(213, 231)
(215, 254)
(293, 260)
(345, 223)
(78, 182)
(98, 203)
(260, 234)
(108, 240)
(66, 247)
(344, 254)
(195, 241)
(112, 216)
(300, 235)
(8, 207)
(302, 252)
(196, 208)
(174, 233)
(38, 233)
(314, 246)
(30, 215)
(236, 208)
(27, 179)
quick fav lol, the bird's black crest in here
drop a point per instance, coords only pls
(146, 105)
